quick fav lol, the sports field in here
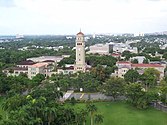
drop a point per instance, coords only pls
(120, 113)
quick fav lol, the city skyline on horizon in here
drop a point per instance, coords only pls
(66, 17)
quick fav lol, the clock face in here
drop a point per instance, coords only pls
(79, 49)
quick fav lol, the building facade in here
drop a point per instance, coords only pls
(80, 64)
(38, 68)
(123, 67)
(102, 49)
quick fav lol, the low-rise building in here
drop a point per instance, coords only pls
(140, 59)
(158, 67)
(45, 58)
(38, 68)
(15, 71)
(116, 55)
(102, 49)
(123, 67)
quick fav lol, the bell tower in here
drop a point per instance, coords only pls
(80, 53)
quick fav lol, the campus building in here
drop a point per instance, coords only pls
(124, 66)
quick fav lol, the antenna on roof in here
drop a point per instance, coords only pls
(80, 29)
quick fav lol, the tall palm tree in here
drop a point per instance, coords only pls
(92, 109)
(98, 119)
(83, 116)
(50, 114)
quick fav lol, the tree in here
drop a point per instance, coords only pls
(134, 93)
(98, 119)
(83, 116)
(127, 55)
(139, 97)
(36, 80)
(114, 87)
(146, 61)
(92, 109)
(99, 73)
(131, 76)
(135, 61)
(150, 77)
(165, 55)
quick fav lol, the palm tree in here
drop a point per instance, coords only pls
(92, 109)
(83, 116)
(50, 114)
(98, 119)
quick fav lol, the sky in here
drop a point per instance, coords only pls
(59, 17)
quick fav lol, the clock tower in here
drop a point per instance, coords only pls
(80, 64)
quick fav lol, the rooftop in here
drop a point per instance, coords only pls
(123, 62)
(17, 68)
(146, 65)
(37, 65)
(116, 54)
(27, 62)
(80, 33)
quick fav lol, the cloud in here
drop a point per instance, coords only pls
(7, 3)
(67, 16)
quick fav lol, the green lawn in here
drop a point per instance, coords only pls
(119, 113)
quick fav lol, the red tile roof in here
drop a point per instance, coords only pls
(123, 62)
(67, 68)
(116, 54)
(80, 33)
(27, 62)
(146, 65)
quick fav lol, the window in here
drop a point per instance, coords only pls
(79, 54)
(33, 69)
(33, 73)
(79, 43)
(79, 59)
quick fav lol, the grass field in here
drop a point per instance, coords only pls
(119, 113)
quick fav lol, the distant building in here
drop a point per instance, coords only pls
(121, 47)
(123, 67)
(15, 71)
(116, 55)
(31, 69)
(21, 67)
(102, 49)
(38, 68)
(158, 67)
(45, 58)
(140, 59)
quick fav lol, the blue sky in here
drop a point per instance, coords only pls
(93, 16)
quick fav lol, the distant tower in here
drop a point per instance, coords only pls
(80, 53)
(94, 36)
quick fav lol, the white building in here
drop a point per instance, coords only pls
(123, 67)
(140, 59)
(46, 58)
(102, 49)
(38, 68)
(121, 47)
